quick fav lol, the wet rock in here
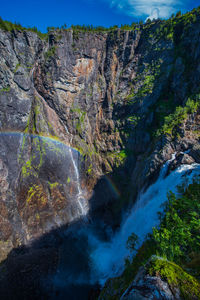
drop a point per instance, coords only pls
(181, 159)
(195, 153)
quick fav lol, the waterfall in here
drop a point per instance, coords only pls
(82, 202)
(108, 257)
(80, 196)
(165, 167)
(105, 259)
(86, 259)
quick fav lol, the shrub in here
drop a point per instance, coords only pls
(175, 119)
(9, 26)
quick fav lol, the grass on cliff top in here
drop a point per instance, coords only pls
(177, 239)
(173, 28)
(9, 26)
(169, 28)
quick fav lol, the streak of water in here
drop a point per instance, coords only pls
(83, 205)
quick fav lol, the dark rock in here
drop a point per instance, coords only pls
(195, 153)
(181, 159)
(146, 287)
(22, 79)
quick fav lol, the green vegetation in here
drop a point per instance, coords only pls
(26, 168)
(17, 67)
(145, 80)
(133, 120)
(173, 120)
(170, 29)
(9, 26)
(86, 151)
(78, 29)
(147, 87)
(53, 185)
(39, 132)
(132, 241)
(32, 166)
(89, 170)
(118, 157)
(50, 52)
(176, 277)
(173, 28)
(80, 122)
(167, 115)
(36, 193)
(177, 239)
(130, 96)
(179, 232)
(6, 89)
(91, 28)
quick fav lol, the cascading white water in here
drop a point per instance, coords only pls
(86, 260)
(82, 202)
(108, 257)
(80, 197)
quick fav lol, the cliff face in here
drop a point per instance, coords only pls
(103, 94)
(55, 94)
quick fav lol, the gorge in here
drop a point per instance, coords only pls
(97, 126)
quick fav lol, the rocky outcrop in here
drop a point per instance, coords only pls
(169, 282)
(149, 287)
(157, 279)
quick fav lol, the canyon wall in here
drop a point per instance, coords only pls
(79, 110)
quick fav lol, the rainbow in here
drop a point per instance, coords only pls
(57, 141)
(53, 139)
(113, 186)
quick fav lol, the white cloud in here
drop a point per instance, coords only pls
(149, 8)
(155, 13)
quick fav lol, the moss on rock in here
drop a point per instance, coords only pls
(176, 277)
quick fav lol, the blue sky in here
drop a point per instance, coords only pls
(44, 13)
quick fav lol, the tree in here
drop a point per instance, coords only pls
(178, 14)
(132, 241)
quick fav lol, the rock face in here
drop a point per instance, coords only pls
(154, 286)
(149, 287)
(80, 105)
(157, 279)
